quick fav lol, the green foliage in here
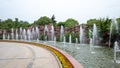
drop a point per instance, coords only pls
(73, 36)
(61, 23)
(91, 22)
(53, 19)
(71, 22)
(102, 24)
(58, 39)
(9, 23)
(68, 23)
(105, 25)
(24, 24)
(1, 36)
(118, 21)
(16, 23)
(42, 37)
(43, 21)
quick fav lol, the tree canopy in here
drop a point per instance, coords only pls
(9, 23)
(44, 20)
(103, 24)
(60, 23)
(53, 19)
(69, 23)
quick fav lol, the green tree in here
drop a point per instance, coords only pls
(24, 24)
(71, 22)
(7, 24)
(118, 21)
(91, 22)
(16, 23)
(43, 21)
(60, 23)
(0, 24)
(53, 19)
(103, 24)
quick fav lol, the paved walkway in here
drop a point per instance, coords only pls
(19, 55)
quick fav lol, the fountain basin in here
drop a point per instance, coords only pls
(102, 58)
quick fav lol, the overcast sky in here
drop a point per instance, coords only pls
(81, 10)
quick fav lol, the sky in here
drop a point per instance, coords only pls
(80, 10)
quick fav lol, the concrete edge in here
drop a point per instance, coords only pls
(73, 61)
(56, 57)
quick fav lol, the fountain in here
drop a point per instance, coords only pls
(24, 34)
(4, 35)
(37, 32)
(8, 37)
(64, 40)
(95, 35)
(29, 34)
(46, 32)
(33, 34)
(52, 33)
(76, 40)
(115, 26)
(116, 49)
(54, 40)
(94, 39)
(70, 39)
(16, 34)
(81, 35)
(61, 33)
(21, 33)
(12, 33)
(37, 40)
(91, 46)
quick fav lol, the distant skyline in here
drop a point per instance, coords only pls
(80, 10)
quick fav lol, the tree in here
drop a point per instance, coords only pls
(118, 21)
(7, 24)
(24, 24)
(16, 23)
(53, 19)
(0, 24)
(60, 23)
(91, 22)
(71, 22)
(103, 24)
(43, 21)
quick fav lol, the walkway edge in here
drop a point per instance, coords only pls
(73, 61)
